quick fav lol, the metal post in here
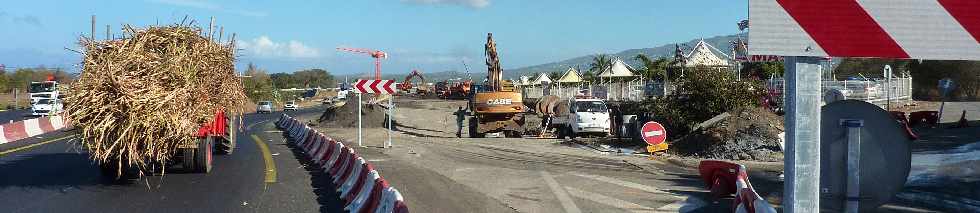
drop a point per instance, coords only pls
(391, 115)
(359, 144)
(802, 160)
(888, 87)
(853, 192)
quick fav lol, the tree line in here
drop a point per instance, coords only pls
(20, 79)
(260, 85)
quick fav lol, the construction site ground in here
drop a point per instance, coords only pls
(438, 172)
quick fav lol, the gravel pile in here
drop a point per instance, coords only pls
(747, 134)
(345, 116)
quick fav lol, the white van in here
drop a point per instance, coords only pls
(585, 117)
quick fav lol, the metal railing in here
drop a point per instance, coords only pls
(876, 91)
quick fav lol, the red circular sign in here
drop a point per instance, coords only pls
(653, 133)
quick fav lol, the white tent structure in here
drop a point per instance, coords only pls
(703, 54)
(619, 82)
(542, 80)
(571, 79)
(618, 69)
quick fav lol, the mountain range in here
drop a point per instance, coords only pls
(581, 63)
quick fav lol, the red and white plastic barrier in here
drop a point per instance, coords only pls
(361, 187)
(31, 127)
(724, 178)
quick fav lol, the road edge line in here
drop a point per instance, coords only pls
(3, 153)
(270, 166)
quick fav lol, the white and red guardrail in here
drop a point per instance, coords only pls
(359, 184)
(31, 127)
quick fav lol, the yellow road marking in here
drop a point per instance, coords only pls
(270, 166)
(33, 145)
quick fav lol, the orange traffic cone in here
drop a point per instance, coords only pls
(963, 123)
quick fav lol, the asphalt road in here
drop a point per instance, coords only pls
(15, 115)
(51, 174)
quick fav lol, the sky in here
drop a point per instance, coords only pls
(429, 35)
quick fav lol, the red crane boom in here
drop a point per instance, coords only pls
(376, 54)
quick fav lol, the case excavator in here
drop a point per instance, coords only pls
(499, 107)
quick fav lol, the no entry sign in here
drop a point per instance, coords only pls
(653, 133)
(918, 29)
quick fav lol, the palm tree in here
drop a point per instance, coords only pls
(653, 68)
(600, 62)
(554, 75)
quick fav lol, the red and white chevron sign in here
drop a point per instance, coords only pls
(375, 86)
(917, 29)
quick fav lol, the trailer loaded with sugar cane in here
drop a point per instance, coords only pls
(157, 97)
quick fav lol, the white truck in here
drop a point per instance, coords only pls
(581, 117)
(43, 90)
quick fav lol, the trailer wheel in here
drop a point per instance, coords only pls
(189, 160)
(202, 158)
(227, 145)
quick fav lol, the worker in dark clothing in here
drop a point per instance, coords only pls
(460, 117)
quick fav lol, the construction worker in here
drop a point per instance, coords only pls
(460, 117)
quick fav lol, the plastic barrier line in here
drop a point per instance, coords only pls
(352, 160)
(350, 183)
(360, 186)
(341, 163)
(334, 155)
(368, 169)
(326, 145)
(355, 204)
(351, 171)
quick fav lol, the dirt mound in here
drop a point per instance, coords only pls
(345, 116)
(744, 134)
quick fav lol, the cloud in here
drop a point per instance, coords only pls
(18, 19)
(476, 4)
(205, 5)
(29, 20)
(263, 46)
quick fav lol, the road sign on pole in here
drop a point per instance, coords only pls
(802, 158)
(917, 29)
(375, 86)
(803, 30)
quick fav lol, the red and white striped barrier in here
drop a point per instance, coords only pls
(31, 127)
(361, 187)
(724, 178)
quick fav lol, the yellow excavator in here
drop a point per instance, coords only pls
(498, 107)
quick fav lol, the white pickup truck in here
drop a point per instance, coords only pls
(583, 117)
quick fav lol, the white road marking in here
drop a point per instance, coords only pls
(609, 201)
(622, 183)
(685, 203)
(566, 202)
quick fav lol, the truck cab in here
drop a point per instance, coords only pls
(584, 117)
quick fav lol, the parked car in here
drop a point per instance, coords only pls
(264, 107)
(290, 105)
